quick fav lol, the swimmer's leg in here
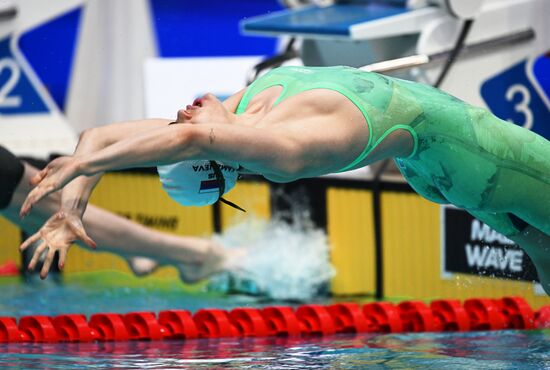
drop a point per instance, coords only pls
(195, 258)
(532, 240)
(537, 245)
(123, 237)
(525, 196)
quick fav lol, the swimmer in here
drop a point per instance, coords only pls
(195, 258)
(299, 122)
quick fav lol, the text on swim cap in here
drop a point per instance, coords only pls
(208, 167)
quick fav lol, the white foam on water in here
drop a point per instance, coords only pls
(284, 260)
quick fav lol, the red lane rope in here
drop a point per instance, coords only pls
(306, 320)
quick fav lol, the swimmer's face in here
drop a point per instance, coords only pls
(207, 109)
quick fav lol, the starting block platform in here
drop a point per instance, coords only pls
(353, 20)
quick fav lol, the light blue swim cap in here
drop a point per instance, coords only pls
(194, 182)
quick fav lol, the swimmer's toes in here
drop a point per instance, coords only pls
(216, 261)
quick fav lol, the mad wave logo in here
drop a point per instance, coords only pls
(483, 233)
(480, 255)
(480, 258)
(208, 168)
(472, 247)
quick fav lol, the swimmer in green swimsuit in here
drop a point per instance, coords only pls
(298, 122)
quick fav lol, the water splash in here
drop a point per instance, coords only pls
(284, 260)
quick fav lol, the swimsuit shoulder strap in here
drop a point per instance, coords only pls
(385, 105)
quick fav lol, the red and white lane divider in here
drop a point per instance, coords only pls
(311, 319)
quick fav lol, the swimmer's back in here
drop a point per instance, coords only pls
(460, 151)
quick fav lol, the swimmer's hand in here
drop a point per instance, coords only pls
(53, 177)
(57, 235)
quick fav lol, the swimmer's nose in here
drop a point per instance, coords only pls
(208, 96)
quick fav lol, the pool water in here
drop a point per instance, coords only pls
(482, 350)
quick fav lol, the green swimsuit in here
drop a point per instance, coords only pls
(462, 154)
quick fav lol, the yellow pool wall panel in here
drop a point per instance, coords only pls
(251, 196)
(350, 230)
(411, 240)
(10, 239)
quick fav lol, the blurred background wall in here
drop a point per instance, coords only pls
(68, 65)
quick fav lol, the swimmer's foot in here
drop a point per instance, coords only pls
(543, 271)
(218, 259)
(537, 245)
(545, 282)
(142, 266)
(541, 259)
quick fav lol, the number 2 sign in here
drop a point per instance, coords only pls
(17, 94)
(7, 100)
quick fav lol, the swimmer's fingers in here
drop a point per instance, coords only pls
(47, 263)
(62, 258)
(31, 240)
(50, 170)
(34, 197)
(39, 176)
(57, 173)
(25, 207)
(78, 229)
(36, 256)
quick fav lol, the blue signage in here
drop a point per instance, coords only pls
(541, 73)
(511, 95)
(17, 95)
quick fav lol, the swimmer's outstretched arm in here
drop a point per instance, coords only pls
(260, 150)
(76, 194)
(289, 143)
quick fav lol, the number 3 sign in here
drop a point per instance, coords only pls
(518, 95)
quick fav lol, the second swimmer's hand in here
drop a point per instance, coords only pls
(57, 235)
(53, 177)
